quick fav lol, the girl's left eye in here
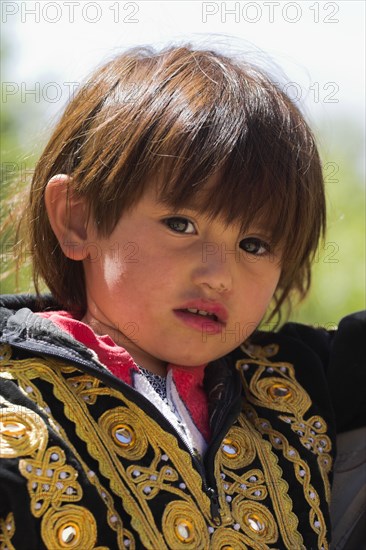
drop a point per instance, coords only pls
(180, 225)
(255, 246)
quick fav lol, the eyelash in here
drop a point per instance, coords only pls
(170, 222)
(262, 248)
(259, 244)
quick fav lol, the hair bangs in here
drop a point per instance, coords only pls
(251, 179)
(199, 115)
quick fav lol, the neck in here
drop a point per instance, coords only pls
(140, 357)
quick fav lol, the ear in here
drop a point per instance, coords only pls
(68, 216)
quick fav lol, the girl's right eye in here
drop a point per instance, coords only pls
(180, 225)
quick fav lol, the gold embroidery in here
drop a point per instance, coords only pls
(5, 353)
(101, 449)
(84, 386)
(313, 436)
(260, 352)
(164, 447)
(227, 539)
(150, 484)
(135, 494)
(278, 490)
(71, 527)
(7, 530)
(256, 521)
(237, 449)
(183, 527)
(250, 485)
(50, 480)
(22, 431)
(125, 431)
(255, 484)
(24, 371)
(280, 393)
(302, 472)
(124, 536)
(273, 385)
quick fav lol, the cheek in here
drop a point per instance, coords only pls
(127, 274)
(108, 272)
(272, 283)
(269, 290)
(113, 270)
(265, 280)
(258, 290)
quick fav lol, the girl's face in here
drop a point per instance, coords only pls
(172, 287)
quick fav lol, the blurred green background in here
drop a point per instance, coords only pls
(339, 271)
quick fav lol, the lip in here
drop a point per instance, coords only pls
(204, 325)
(201, 322)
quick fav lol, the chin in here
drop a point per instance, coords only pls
(196, 360)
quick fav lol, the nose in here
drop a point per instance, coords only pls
(214, 270)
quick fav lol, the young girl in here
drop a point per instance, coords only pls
(179, 200)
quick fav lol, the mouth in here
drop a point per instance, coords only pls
(203, 315)
(201, 312)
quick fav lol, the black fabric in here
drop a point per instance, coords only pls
(329, 366)
(347, 373)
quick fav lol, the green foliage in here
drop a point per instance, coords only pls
(338, 286)
(15, 170)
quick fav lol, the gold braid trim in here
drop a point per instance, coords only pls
(23, 371)
(277, 488)
(100, 446)
(313, 436)
(254, 486)
(98, 435)
(126, 431)
(281, 392)
(225, 539)
(7, 530)
(302, 472)
(50, 484)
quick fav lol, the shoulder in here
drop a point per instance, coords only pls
(321, 341)
(328, 364)
(331, 348)
(13, 302)
(342, 356)
(19, 309)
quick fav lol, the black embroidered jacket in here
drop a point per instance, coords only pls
(89, 463)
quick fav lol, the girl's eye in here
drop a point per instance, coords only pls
(255, 246)
(180, 225)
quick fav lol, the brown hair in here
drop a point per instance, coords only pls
(184, 115)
